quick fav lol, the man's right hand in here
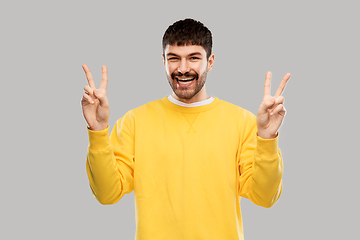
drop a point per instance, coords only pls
(95, 104)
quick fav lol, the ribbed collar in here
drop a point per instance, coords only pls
(195, 104)
(178, 108)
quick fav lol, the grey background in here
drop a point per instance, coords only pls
(44, 187)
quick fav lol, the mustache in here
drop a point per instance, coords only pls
(187, 75)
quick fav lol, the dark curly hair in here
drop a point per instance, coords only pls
(188, 32)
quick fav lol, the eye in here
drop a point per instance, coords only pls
(194, 58)
(172, 58)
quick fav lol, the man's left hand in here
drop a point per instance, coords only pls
(272, 111)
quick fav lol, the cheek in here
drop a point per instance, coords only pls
(202, 69)
(169, 69)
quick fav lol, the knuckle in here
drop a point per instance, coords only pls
(99, 94)
(88, 88)
(83, 100)
(269, 102)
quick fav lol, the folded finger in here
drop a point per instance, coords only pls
(280, 109)
(89, 91)
(87, 99)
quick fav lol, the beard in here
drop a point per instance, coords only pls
(190, 91)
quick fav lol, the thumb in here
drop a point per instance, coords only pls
(95, 92)
(101, 96)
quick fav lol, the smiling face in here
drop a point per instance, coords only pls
(186, 69)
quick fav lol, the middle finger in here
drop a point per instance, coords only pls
(282, 85)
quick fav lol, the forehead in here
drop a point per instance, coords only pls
(184, 50)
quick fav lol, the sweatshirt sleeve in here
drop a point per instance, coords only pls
(260, 167)
(110, 161)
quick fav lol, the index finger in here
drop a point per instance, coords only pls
(89, 77)
(282, 85)
(267, 85)
(104, 79)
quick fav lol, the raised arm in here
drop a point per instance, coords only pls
(109, 162)
(260, 164)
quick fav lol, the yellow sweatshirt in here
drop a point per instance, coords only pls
(188, 168)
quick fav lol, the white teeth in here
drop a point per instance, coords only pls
(185, 79)
(185, 82)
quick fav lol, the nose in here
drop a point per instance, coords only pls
(183, 67)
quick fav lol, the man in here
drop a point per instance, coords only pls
(188, 157)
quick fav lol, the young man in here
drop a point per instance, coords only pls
(188, 157)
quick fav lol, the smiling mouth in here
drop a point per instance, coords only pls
(184, 80)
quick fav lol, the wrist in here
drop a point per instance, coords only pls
(99, 127)
(265, 135)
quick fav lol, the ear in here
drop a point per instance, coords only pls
(211, 62)
(163, 58)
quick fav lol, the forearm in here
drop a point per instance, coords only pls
(104, 178)
(267, 172)
(261, 179)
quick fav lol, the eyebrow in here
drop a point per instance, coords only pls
(191, 54)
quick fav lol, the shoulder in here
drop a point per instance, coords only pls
(145, 109)
(234, 109)
(150, 106)
(139, 114)
(241, 117)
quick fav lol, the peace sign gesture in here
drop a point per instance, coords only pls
(95, 104)
(272, 111)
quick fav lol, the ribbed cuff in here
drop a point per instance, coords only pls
(99, 140)
(267, 148)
